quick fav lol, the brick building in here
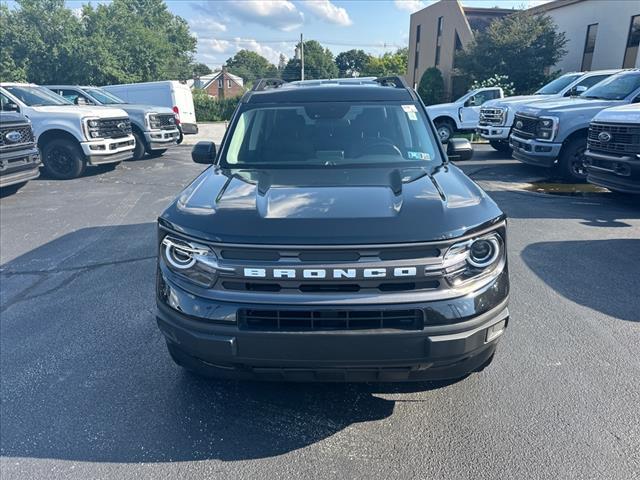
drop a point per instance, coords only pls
(221, 84)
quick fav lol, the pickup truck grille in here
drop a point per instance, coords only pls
(525, 127)
(318, 320)
(167, 121)
(492, 117)
(621, 139)
(23, 130)
(114, 127)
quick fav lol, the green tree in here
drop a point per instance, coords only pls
(522, 46)
(251, 66)
(200, 69)
(318, 63)
(352, 62)
(387, 64)
(431, 86)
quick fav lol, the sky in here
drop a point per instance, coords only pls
(271, 27)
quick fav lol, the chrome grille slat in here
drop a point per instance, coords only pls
(491, 117)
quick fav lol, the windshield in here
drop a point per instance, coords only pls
(556, 86)
(37, 96)
(104, 97)
(331, 134)
(616, 87)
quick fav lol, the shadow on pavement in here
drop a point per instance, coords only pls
(582, 272)
(86, 375)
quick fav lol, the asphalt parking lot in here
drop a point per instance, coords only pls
(88, 390)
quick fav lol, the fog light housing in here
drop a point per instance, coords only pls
(494, 331)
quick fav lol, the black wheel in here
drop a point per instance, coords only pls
(140, 148)
(500, 145)
(180, 138)
(156, 153)
(571, 161)
(63, 159)
(445, 130)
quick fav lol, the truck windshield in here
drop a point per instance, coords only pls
(331, 134)
(36, 96)
(556, 86)
(103, 97)
(616, 87)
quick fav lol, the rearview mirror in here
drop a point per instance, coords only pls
(459, 149)
(204, 152)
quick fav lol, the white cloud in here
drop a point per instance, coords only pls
(276, 14)
(329, 12)
(216, 52)
(410, 6)
(203, 26)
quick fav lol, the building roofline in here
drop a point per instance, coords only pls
(489, 10)
(552, 5)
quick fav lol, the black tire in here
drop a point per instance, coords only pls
(140, 148)
(445, 130)
(180, 138)
(63, 159)
(500, 145)
(571, 161)
(156, 153)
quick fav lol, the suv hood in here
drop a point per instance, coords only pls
(327, 206)
(571, 106)
(517, 100)
(624, 114)
(83, 110)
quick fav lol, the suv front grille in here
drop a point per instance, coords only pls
(114, 127)
(492, 117)
(623, 139)
(167, 121)
(524, 126)
(318, 320)
(26, 136)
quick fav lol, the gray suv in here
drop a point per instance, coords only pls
(154, 127)
(554, 132)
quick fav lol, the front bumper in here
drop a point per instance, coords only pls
(161, 139)
(534, 152)
(620, 173)
(19, 166)
(491, 132)
(453, 342)
(108, 150)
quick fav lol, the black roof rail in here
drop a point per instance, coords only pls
(394, 80)
(266, 83)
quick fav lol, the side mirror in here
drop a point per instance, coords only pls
(10, 107)
(471, 102)
(80, 100)
(577, 90)
(459, 149)
(204, 152)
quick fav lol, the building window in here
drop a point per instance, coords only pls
(631, 52)
(437, 55)
(415, 64)
(229, 83)
(589, 46)
(440, 22)
(220, 83)
(418, 35)
(457, 49)
(438, 40)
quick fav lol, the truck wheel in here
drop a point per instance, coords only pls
(156, 153)
(500, 145)
(63, 159)
(140, 148)
(445, 130)
(571, 161)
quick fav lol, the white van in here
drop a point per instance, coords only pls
(172, 94)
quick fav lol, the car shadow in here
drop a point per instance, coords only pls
(86, 375)
(581, 272)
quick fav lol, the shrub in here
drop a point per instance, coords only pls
(501, 81)
(212, 109)
(431, 86)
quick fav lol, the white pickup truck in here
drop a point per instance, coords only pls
(463, 114)
(496, 116)
(69, 136)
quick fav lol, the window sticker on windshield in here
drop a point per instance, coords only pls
(409, 108)
(412, 116)
(418, 156)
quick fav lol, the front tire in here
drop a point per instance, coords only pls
(156, 153)
(500, 145)
(571, 161)
(445, 130)
(63, 159)
(140, 148)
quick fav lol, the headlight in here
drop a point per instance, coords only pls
(154, 121)
(547, 128)
(191, 260)
(91, 128)
(474, 259)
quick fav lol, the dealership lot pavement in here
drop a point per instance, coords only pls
(88, 389)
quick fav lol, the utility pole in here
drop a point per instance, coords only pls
(301, 58)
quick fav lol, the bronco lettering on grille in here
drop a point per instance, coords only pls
(332, 273)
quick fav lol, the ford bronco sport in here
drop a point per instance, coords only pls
(332, 240)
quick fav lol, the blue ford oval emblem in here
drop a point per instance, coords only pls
(604, 137)
(13, 136)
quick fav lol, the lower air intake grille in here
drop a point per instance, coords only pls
(305, 320)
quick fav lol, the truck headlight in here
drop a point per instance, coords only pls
(547, 128)
(474, 259)
(153, 121)
(91, 127)
(193, 261)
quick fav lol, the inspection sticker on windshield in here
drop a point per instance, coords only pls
(418, 156)
(411, 111)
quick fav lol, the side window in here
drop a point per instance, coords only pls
(70, 95)
(591, 81)
(6, 104)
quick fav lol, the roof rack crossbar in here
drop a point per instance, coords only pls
(266, 83)
(396, 81)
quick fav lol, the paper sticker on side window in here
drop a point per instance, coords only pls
(418, 156)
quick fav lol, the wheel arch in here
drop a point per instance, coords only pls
(56, 134)
(446, 118)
